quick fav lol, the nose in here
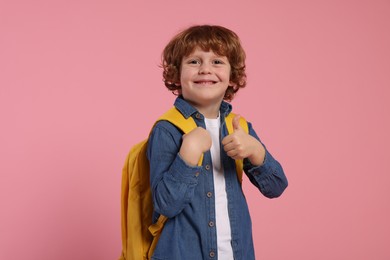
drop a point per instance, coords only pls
(204, 68)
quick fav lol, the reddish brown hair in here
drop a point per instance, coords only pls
(220, 40)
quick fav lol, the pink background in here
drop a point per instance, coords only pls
(76, 78)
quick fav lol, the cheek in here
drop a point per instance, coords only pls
(185, 75)
(228, 75)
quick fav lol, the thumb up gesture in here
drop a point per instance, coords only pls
(240, 145)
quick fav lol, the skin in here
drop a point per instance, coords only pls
(204, 78)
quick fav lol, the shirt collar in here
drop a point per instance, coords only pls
(187, 109)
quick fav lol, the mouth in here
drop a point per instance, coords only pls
(205, 82)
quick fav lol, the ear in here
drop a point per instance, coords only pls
(178, 91)
(232, 84)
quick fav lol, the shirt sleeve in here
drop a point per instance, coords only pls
(172, 180)
(269, 177)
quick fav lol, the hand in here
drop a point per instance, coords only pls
(240, 145)
(195, 143)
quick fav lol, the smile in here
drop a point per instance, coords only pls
(205, 82)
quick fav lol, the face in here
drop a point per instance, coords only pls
(204, 78)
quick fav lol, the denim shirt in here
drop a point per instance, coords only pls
(184, 193)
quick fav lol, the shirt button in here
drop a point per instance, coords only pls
(211, 224)
(212, 254)
(209, 194)
(207, 167)
(197, 115)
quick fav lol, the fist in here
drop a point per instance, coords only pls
(198, 139)
(195, 143)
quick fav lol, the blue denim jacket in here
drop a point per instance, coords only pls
(184, 193)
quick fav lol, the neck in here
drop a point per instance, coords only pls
(210, 112)
(209, 108)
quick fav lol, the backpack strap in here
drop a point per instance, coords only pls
(229, 126)
(176, 117)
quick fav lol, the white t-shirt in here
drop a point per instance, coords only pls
(222, 221)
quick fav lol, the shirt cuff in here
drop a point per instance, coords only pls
(257, 169)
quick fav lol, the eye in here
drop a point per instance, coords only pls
(193, 61)
(218, 61)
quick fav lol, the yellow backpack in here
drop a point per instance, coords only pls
(139, 235)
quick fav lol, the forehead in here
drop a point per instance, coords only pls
(198, 51)
(202, 49)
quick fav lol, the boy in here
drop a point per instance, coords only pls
(208, 216)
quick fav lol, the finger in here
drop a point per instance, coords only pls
(235, 154)
(232, 153)
(236, 122)
(226, 140)
(228, 147)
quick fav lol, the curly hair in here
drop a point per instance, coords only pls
(220, 40)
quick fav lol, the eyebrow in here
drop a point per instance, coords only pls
(198, 56)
